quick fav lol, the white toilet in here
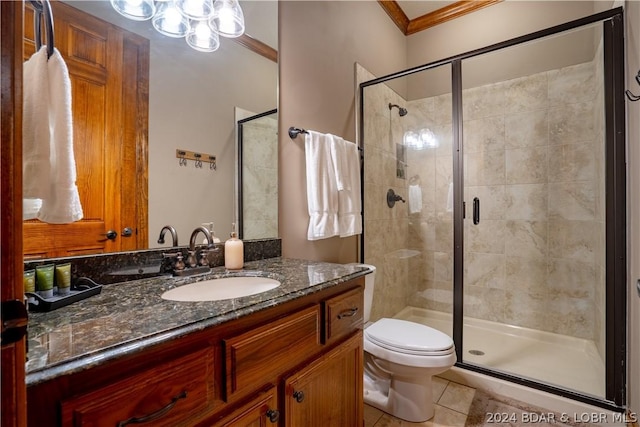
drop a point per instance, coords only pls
(400, 357)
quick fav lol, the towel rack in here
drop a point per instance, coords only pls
(294, 132)
(43, 7)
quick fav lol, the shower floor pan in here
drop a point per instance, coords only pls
(560, 360)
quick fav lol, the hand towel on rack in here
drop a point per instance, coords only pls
(415, 198)
(50, 171)
(347, 161)
(35, 131)
(63, 204)
(322, 190)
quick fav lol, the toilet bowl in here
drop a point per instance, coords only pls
(400, 358)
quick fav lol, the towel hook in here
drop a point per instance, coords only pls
(182, 161)
(198, 160)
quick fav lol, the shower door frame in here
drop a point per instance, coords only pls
(615, 203)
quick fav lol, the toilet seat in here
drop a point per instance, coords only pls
(409, 338)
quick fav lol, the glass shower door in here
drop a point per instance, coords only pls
(407, 139)
(533, 140)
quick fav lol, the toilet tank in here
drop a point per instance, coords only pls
(369, 282)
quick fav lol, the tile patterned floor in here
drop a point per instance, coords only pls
(452, 403)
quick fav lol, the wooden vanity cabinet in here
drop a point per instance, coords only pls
(329, 391)
(297, 364)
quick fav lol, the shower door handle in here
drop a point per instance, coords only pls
(476, 211)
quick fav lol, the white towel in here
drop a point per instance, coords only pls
(347, 161)
(322, 190)
(450, 198)
(415, 199)
(57, 188)
(35, 128)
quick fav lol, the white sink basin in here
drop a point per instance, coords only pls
(219, 289)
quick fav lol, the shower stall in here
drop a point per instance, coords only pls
(508, 226)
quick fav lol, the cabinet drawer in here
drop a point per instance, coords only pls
(172, 394)
(260, 355)
(343, 314)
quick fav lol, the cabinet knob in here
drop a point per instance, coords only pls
(273, 415)
(111, 234)
(298, 396)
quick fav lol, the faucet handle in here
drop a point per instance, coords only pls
(204, 260)
(179, 265)
(191, 259)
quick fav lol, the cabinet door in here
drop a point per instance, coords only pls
(260, 412)
(328, 392)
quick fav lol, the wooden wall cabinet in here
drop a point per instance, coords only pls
(299, 364)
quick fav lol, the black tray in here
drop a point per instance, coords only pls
(83, 288)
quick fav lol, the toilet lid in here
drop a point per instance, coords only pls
(408, 337)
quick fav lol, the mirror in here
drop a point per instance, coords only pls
(258, 175)
(193, 97)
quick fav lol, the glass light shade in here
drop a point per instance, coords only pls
(195, 9)
(169, 21)
(411, 139)
(227, 18)
(202, 38)
(138, 10)
(427, 139)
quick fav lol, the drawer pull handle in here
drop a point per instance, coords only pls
(298, 396)
(273, 415)
(348, 313)
(156, 414)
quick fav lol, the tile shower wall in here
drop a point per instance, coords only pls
(385, 229)
(260, 178)
(534, 156)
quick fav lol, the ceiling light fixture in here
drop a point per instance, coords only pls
(200, 22)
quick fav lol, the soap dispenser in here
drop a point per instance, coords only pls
(233, 251)
(209, 226)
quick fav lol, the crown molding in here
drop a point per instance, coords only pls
(447, 13)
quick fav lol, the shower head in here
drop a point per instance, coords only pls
(401, 111)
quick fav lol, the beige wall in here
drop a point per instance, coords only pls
(633, 203)
(480, 29)
(319, 43)
(192, 96)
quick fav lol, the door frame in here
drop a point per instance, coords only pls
(14, 401)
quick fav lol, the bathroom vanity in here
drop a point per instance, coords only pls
(291, 356)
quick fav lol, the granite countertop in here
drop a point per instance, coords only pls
(130, 316)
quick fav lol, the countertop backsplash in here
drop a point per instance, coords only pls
(118, 267)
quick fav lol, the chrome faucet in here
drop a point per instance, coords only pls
(192, 261)
(174, 235)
